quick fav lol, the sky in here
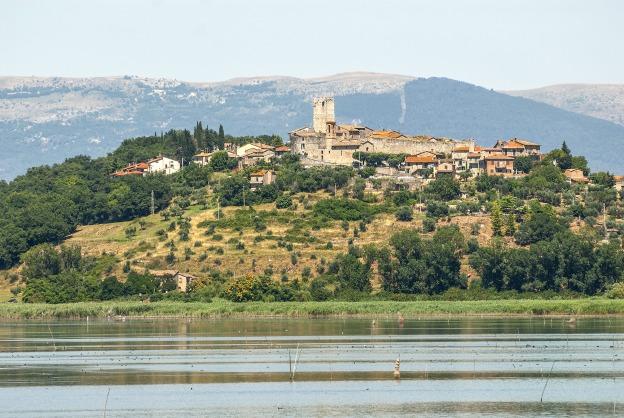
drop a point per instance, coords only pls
(500, 44)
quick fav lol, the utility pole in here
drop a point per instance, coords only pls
(604, 220)
(219, 200)
(152, 208)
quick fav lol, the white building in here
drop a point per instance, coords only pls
(163, 165)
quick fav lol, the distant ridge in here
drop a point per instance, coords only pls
(45, 120)
(604, 101)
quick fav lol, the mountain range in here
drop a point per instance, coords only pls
(44, 120)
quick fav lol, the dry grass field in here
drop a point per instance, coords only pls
(287, 245)
(260, 250)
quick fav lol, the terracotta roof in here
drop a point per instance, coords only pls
(258, 173)
(263, 146)
(283, 148)
(257, 152)
(526, 143)
(387, 134)
(575, 175)
(513, 144)
(474, 155)
(137, 166)
(461, 148)
(420, 159)
(203, 154)
(499, 157)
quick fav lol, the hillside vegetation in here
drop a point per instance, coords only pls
(323, 233)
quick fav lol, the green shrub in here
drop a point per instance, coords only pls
(344, 209)
(283, 202)
(616, 291)
(429, 224)
(404, 214)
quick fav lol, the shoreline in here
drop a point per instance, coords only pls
(598, 307)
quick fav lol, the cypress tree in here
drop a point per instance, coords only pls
(496, 217)
(511, 225)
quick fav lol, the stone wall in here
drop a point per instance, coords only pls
(316, 148)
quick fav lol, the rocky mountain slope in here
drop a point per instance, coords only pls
(604, 101)
(44, 120)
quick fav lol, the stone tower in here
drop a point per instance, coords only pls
(323, 113)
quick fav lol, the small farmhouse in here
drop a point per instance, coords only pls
(261, 178)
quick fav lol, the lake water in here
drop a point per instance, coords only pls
(469, 367)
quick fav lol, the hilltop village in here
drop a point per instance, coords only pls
(411, 161)
(340, 211)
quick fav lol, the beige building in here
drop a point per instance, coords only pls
(202, 158)
(182, 280)
(329, 143)
(261, 178)
(499, 165)
(575, 175)
(421, 161)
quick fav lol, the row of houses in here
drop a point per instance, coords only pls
(495, 161)
(247, 155)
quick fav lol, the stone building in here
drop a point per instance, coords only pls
(329, 143)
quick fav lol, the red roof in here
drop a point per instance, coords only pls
(513, 144)
(420, 159)
(283, 148)
(498, 157)
(387, 134)
(461, 148)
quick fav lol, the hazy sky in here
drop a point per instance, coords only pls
(500, 44)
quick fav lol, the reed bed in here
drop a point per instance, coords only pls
(222, 308)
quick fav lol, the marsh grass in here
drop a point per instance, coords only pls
(222, 308)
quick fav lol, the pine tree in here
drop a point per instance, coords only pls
(496, 217)
(565, 148)
(510, 229)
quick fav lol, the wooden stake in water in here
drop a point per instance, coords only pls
(293, 367)
(547, 379)
(397, 368)
(106, 402)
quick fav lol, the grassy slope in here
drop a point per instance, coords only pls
(309, 309)
(145, 249)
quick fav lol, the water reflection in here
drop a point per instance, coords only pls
(462, 366)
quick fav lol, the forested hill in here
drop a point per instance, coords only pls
(45, 120)
(48, 202)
